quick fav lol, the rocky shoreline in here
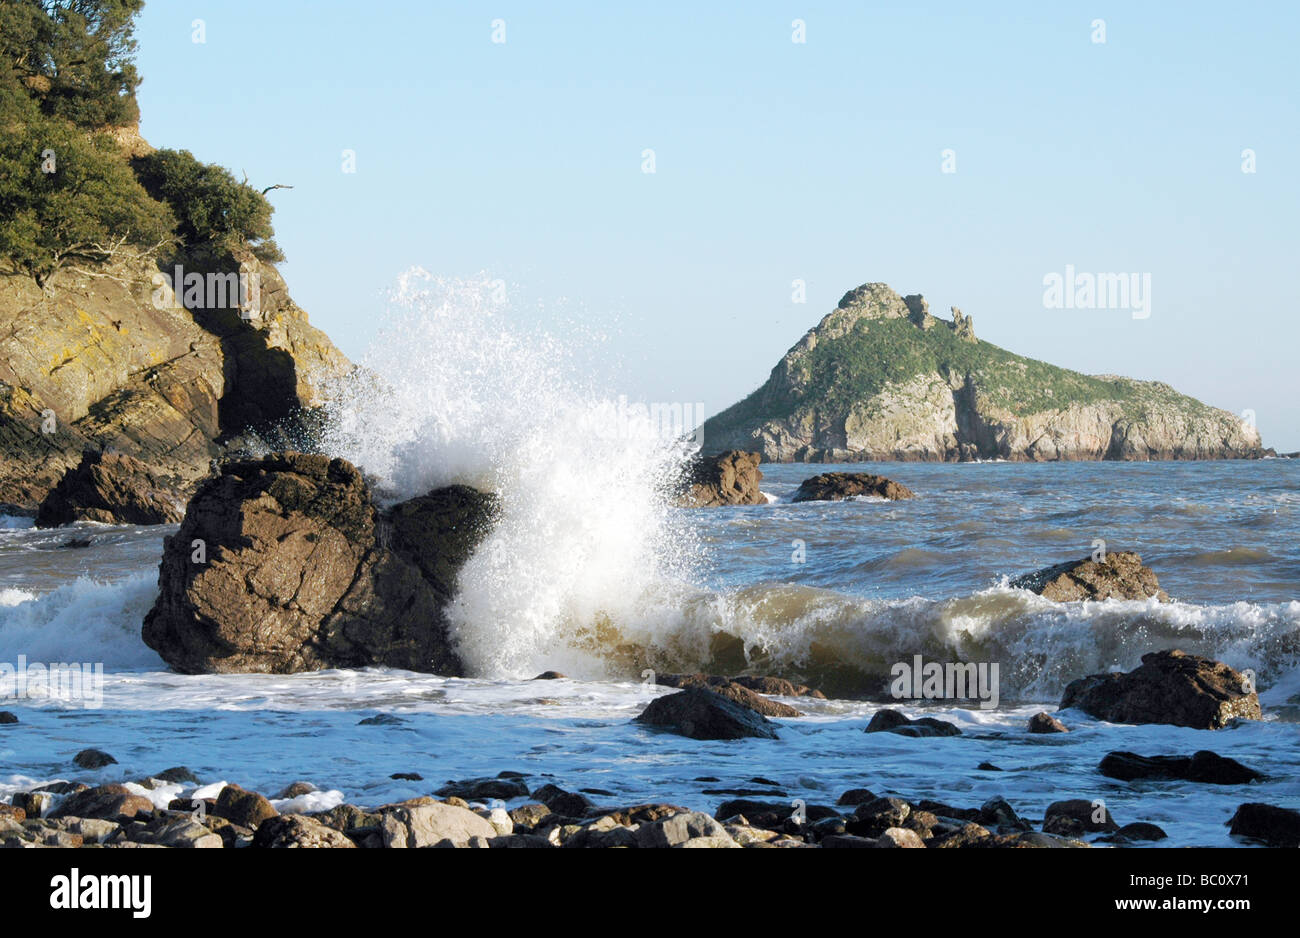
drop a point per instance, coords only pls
(474, 813)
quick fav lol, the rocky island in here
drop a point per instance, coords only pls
(880, 378)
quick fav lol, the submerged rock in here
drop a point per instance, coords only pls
(284, 564)
(93, 759)
(834, 486)
(730, 478)
(1121, 575)
(700, 713)
(1203, 766)
(895, 721)
(1044, 722)
(1168, 687)
(733, 690)
(111, 488)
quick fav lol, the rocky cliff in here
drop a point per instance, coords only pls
(108, 358)
(880, 378)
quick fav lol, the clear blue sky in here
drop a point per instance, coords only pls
(775, 161)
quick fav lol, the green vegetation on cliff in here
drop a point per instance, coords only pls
(880, 378)
(70, 189)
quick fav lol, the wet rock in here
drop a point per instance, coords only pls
(604, 832)
(564, 803)
(6, 718)
(1203, 766)
(298, 570)
(643, 813)
(427, 825)
(703, 714)
(111, 488)
(834, 486)
(549, 676)
(1168, 687)
(1121, 575)
(32, 803)
(176, 832)
(873, 818)
(482, 789)
(676, 830)
(93, 759)
(894, 721)
(407, 777)
(734, 691)
(1092, 817)
(998, 813)
(518, 841)
(381, 719)
(956, 835)
(529, 816)
(771, 815)
(246, 808)
(1273, 826)
(987, 767)
(849, 841)
(178, 775)
(1044, 722)
(299, 831)
(1035, 839)
(93, 830)
(856, 796)
(296, 790)
(778, 686)
(730, 478)
(1136, 832)
(900, 837)
(109, 802)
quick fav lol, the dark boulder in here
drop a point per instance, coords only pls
(732, 690)
(107, 802)
(1276, 827)
(894, 721)
(284, 564)
(776, 685)
(1120, 575)
(111, 488)
(1168, 687)
(730, 478)
(701, 713)
(1203, 766)
(482, 789)
(1078, 815)
(835, 486)
(93, 759)
(299, 831)
(242, 807)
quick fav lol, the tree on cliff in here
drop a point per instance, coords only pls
(76, 56)
(67, 190)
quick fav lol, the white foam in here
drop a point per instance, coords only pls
(84, 621)
(457, 393)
